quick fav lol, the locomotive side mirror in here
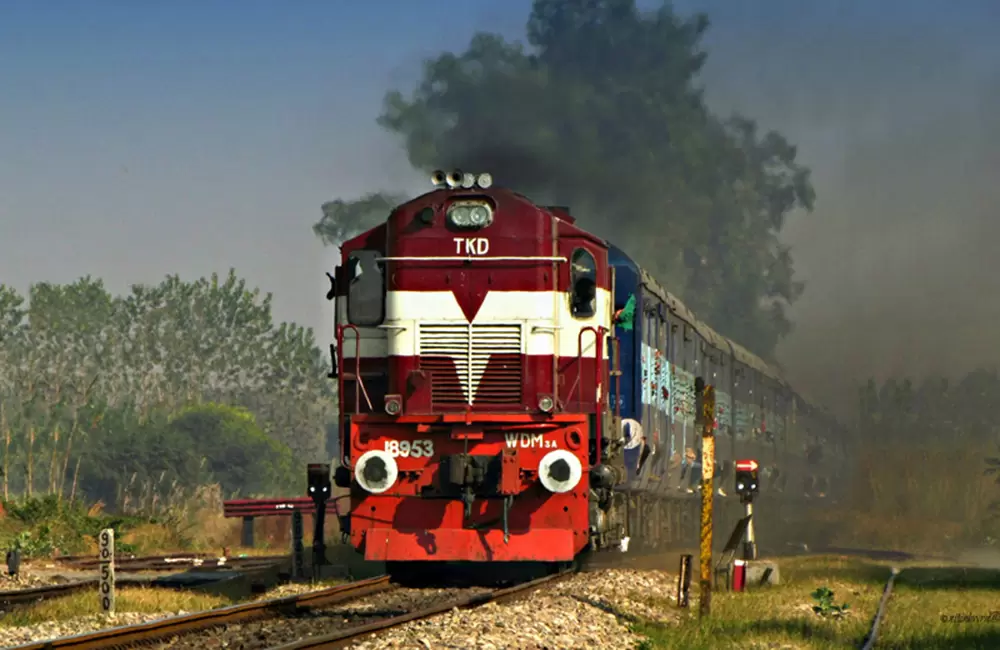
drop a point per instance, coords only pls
(747, 479)
(342, 476)
(332, 293)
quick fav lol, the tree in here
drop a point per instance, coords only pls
(237, 452)
(90, 382)
(601, 112)
(215, 340)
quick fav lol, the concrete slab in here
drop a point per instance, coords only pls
(762, 573)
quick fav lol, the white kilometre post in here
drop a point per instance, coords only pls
(107, 560)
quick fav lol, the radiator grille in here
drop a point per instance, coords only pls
(469, 364)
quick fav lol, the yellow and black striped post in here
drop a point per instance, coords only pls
(706, 414)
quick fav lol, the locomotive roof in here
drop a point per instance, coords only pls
(712, 337)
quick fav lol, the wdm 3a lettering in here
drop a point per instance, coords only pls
(529, 441)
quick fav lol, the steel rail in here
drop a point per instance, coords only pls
(47, 592)
(188, 623)
(343, 638)
(869, 641)
(175, 563)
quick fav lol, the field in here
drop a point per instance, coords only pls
(783, 616)
(922, 500)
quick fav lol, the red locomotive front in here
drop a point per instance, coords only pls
(471, 331)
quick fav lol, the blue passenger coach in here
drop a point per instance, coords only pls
(659, 357)
(645, 400)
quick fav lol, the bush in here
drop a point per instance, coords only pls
(38, 526)
(155, 463)
(237, 453)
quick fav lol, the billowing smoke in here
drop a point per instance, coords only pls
(896, 107)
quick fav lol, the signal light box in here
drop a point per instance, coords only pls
(747, 479)
(318, 480)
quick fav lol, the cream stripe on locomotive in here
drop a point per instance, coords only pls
(415, 318)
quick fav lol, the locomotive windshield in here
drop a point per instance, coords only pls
(366, 288)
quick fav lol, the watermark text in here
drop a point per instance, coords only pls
(992, 617)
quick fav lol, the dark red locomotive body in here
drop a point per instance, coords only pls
(473, 372)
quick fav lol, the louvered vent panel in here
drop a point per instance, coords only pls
(472, 364)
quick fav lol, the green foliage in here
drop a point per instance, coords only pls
(159, 461)
(39, 525)
(239, 455)
(601, 110)
(825, 605)
(134, 399)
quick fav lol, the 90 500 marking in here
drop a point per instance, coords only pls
(407, 449)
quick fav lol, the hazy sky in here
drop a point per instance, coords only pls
(140, 139)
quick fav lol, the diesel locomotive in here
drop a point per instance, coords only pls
(515, 389)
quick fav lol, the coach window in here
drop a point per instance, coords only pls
(366, 288)
(710, 369)
(694, 352)
(680, 346)
(583, 284)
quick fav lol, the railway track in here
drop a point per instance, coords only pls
(19, 597)
(162, 629)
(344, 638)
(327, 618)
(172, 563)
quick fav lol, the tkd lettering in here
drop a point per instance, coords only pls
(471, 246)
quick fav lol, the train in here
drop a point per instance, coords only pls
(514, 389)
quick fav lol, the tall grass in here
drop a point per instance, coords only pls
(190, 521)
(928, 496)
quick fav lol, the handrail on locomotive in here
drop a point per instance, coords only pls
(359, 386)
(577, 389)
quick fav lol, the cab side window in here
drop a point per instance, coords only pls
(365, 288)
(583, 284)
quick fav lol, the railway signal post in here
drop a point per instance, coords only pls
(705, 396)
(747, 486)
(319, 491)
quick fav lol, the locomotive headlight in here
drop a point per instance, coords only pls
(484, 181)
(559, 471)
(376, 471)
(460, 216)
(479, 215)
(470, 214)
